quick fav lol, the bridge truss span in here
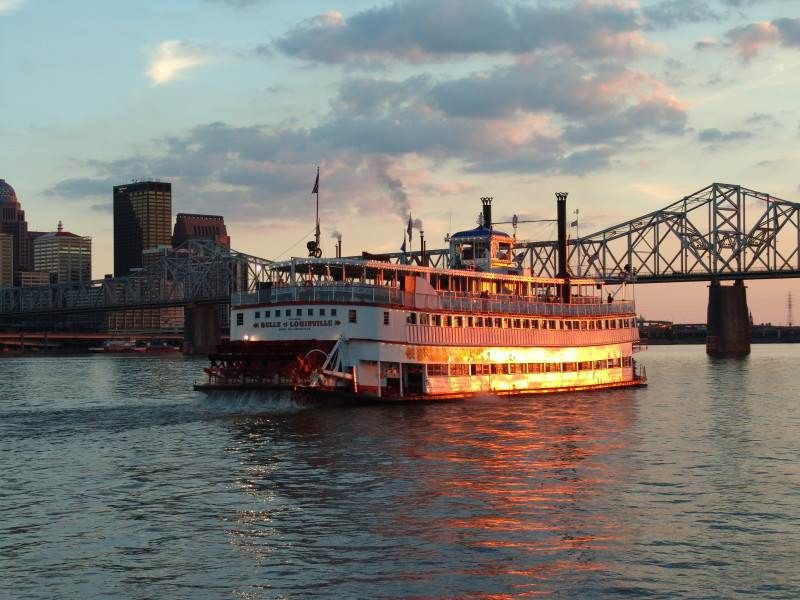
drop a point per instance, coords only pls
(722, 231)
(197, 272)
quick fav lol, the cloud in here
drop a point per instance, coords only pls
(749, 40)
(668, 14)
(83, 187)
(549, 113)
(420, 30)
(716, 137)
(9, 6)
(761, 119)
(706, 43)
(173, 57)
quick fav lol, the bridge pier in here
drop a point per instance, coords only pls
(728, 320)
(201, 333)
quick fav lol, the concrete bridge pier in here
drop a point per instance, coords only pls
(201, 333)
(728, 320)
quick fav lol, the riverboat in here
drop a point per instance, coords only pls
(371, 329)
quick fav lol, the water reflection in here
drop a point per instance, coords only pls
(513, 488)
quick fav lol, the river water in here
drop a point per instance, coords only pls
(117, 480)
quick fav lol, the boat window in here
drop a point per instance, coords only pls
(458, 321)
(599, 364)
(386, 317)
(626, 361)
(470, 321)
(459, 370)
(310, 312)
(333, 312)
(570, 366)
(278, 313)
(437, 320)
(437, 370)
(239, 319)
(299, 312)
(424, 319)
(266, 314)
(585, 366)
(584, 325)
(552, 324)
(517, 323)
(498, 322)
(534, 367)
(258, 314)
(321, 312)
(526, 323)
(448, 321)
(517, 368)
(412, 318)
(535, 323)
(553, 367)
(352, 316)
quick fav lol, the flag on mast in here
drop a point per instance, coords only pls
(410, 227)
(316, 184)
(403, 247)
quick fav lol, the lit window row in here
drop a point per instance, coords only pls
(520, 368)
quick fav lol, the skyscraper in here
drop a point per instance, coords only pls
(142, 220)
(205, 227)
(6, 259)
(13, 223)
(67, 255)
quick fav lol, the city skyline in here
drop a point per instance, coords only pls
(408, 106)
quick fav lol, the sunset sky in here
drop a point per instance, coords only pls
(420, 105)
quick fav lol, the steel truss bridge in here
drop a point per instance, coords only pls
(198, 272)
(721, 232)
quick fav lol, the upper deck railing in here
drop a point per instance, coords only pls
(453, 301)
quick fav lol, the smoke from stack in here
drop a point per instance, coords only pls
(397, 190)
(337, 235)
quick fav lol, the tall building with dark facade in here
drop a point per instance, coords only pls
(204, 227)
(6, 260)
(142, 220)
(13, 223)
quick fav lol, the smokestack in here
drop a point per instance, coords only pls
(563, 268)
(487, 211)
(421, 248)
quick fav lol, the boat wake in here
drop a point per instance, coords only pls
(254, 402)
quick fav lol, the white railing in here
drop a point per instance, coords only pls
(451, 301)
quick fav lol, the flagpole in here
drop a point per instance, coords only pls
(316, 234)
(577, 241)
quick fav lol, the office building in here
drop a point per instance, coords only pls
(12, 222)
(142, 220)
(204, 227)
(6, 260)
(66, 255)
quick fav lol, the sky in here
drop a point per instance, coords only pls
(419, 106)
